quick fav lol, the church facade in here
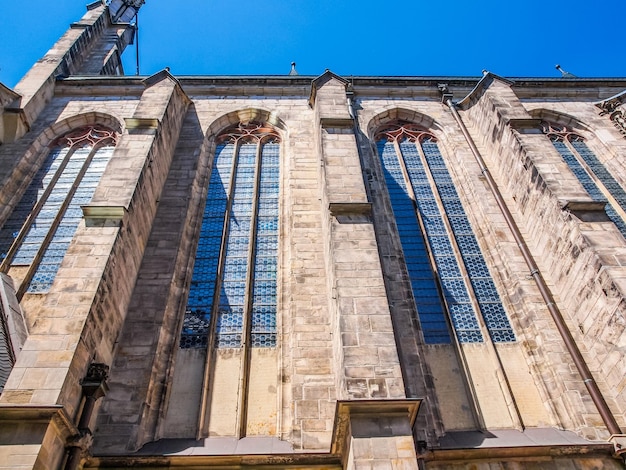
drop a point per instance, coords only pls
(294, 272)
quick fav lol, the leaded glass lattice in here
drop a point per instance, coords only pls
(245, 305)
(53, 256)
(33, 194)
(263, 317)
(44, 222)
(584, 163)
(416, 203)
(203, 282)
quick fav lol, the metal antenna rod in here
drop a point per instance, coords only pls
(137, 40)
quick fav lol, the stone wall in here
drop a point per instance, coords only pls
(347, 324)
(78, 321)
(538, 185)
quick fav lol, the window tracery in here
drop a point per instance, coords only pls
(439, 245)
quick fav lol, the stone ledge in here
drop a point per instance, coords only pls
(39, 415)
(525, 124)
(94, 5)
(350, 208)
(141, 123)
(587, 205)
(371, 409)
(508, 453)
(336, 122)
(619, 444)
(305, 460)
(587, 210)
(103, 215)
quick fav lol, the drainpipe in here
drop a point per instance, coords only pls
(94, 387)
(546, 294)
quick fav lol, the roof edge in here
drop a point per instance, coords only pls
(487, 79)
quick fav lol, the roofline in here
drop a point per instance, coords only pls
(586, 89)
(310, 78)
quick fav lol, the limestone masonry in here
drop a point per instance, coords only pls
(292, 272)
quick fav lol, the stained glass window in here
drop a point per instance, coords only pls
(233, 287)
(590, 172)
(40, 229)
(427, 211)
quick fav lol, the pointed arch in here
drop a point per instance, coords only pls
(229, 329)
(572, 139)
(395, 114)
(245, 116)
(240, 226)
(440, 248)
(37, 152)
(37, 233)
(560, 119)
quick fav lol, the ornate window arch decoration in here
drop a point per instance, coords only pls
(390, 116)
(38, 232)
(618, 118)
(232, 300)
(440, 249)
(590, 172)
(614, 107)
(244, 116)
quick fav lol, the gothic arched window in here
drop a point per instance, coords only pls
(232, 300)
(590, 172)
(229, 328)
(439, 245)
(40, 229)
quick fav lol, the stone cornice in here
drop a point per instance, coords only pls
(300, 86)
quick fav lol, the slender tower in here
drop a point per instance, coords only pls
(91, 46)
(40, 430)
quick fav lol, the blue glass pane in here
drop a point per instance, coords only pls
(231, 305)
(451, 280)
(425, 292)
(53, 256)
(32, 195)
(202, 291)
(264, 297)
(589, 184)
(484, 289)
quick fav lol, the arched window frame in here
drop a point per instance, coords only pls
(486, 314)
(94, 137)
(214, 329)
(590, 171)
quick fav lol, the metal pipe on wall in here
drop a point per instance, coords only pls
(546, 294)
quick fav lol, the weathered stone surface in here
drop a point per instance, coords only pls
(347, 323)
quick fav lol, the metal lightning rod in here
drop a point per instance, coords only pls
(137, 40)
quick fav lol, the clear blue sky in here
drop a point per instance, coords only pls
(402, 37)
